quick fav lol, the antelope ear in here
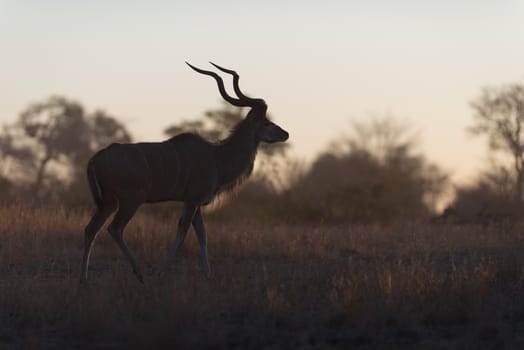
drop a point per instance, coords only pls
(251, 114)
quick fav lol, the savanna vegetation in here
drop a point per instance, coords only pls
(346, 252)
(274, 285)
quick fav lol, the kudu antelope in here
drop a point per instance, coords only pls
(184, 168)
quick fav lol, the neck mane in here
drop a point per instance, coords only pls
(236, 155)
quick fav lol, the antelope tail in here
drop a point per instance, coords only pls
(94, 186)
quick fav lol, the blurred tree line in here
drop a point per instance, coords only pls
(373, 174)
(497, 193)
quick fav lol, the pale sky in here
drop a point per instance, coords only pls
(318, 64)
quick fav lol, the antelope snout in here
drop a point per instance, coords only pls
(278, 134)
(285, 135)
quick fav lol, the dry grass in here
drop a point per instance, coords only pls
(274, 285)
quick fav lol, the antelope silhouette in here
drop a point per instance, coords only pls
(184, 168)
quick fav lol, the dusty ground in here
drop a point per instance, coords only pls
(274, 285)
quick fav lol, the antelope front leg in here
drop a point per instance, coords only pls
(198, 225)
(183, 225)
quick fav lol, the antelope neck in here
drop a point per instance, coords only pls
(236, 154)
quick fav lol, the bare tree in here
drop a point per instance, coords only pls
(499, 114)
(54, 134)
(184, 168)
(57, 128)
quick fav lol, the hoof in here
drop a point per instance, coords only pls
(162, 272)
(207, 273)
(83, 280)
(139, 276)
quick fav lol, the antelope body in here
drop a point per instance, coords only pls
(184, 168)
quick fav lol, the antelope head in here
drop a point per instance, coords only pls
(265, 130)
